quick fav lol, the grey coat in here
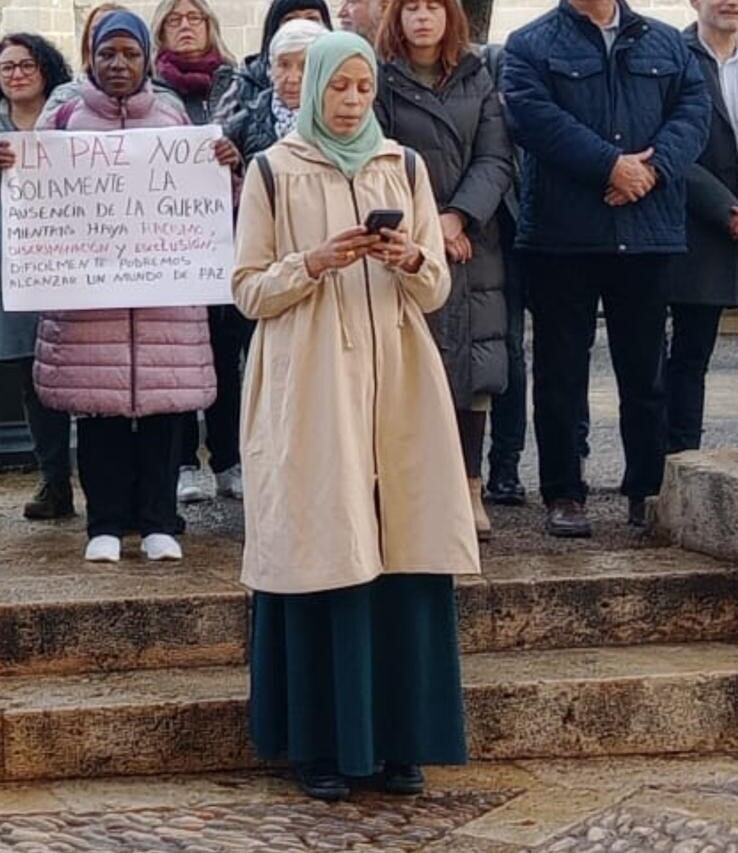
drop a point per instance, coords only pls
(708, 275)
(17, 330)
(460, 132)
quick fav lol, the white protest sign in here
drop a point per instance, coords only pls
(135, 218)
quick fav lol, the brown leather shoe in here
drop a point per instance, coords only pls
(567, 519)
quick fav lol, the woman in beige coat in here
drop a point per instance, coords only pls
(351, 536)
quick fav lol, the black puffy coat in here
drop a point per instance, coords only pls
(460, 132)
(252, 129)
(708, 274)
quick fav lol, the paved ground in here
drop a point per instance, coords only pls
(626, 806)
(633, 805)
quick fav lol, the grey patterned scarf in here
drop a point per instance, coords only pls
(285, 119)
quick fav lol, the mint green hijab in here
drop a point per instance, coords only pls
(324, 57)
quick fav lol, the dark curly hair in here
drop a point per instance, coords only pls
(51, 63)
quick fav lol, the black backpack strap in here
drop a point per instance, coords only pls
(262, 161)
(411, 165)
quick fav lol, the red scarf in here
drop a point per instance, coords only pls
(188, 75)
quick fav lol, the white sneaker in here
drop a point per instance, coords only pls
(161, 546)
(229, 483)
(103, 549)
(189, 491)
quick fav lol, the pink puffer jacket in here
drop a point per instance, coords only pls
(130, 362)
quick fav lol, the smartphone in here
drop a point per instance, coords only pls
(378, 219)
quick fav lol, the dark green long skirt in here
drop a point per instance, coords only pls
(360, 675)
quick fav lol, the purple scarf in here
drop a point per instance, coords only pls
(188, 75)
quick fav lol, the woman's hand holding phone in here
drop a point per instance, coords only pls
(397, 250)
(341, 251)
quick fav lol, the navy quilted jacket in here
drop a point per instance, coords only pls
(574, 110)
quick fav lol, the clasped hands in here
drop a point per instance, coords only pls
(392, 247)
(632, 178)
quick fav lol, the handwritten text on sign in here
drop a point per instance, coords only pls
(116, 220)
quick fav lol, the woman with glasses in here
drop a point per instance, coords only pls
(30, 68)
(190, 55)
(192, 58)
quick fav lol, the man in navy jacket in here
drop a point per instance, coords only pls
(611, 109)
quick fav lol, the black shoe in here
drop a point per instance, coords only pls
(504, 487)
(404, 779)
(321, 780)
(637, 512)
(52, 500)
(567, 519)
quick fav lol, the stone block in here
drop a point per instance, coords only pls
(698, 505)
(61, 616)
(125, 723)
(644, 700)
(634, 700)
(654, 595)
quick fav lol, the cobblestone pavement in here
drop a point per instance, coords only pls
(627, 805)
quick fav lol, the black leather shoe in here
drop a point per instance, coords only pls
(52, 500)
(637, 512)
(504, 487)
(321, 780)
(506, 492)
(567, 519)
(403, 779)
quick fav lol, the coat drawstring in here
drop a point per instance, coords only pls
(401, 306)
(338, 287)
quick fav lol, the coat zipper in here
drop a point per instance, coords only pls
(370, 306)
(132, 325)
(131, 321)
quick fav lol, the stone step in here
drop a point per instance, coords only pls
(596, 598)
(635, 699)
(61, 615)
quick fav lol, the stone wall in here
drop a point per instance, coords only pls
(63, 19)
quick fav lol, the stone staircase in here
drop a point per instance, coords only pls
(127, 669)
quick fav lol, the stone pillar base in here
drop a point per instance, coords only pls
(698, 505)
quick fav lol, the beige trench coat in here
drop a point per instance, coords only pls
(352, 460)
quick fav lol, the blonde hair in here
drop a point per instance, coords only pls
(214, 34)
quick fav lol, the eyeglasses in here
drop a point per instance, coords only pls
(27, 67)
(175, 20)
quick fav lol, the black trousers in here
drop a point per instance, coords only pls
(49, 429)
(128, 470)
(563, 294)
(694, 332)
(509, 410)
(230, 335)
